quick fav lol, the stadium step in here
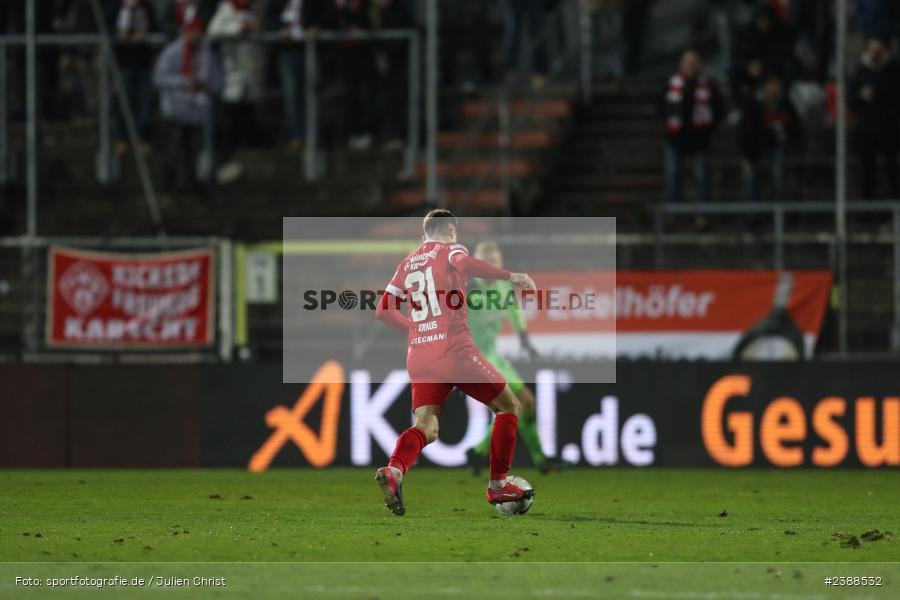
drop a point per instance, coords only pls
(530, 139)
(480, 200)
(470, 167)
(479, 168)
(598, 183)
(586, 199)
(521, 109)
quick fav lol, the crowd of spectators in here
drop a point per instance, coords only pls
(507, 39)
(780, 75)
(210, 80)
(198, 82)
(213, 71)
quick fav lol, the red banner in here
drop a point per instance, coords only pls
(123, 301)
(673, 314)
(696, 300)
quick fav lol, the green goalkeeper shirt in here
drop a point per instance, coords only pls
(490, 303)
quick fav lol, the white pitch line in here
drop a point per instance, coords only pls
(593, 593)
(353, 589)
(723, 595)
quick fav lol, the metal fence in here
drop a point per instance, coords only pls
(868, 320)
(577, 57)
(830, 242)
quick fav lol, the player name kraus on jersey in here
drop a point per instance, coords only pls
(429, 326)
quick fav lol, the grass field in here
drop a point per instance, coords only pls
(646, 516)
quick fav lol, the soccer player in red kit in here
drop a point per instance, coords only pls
(441, 354)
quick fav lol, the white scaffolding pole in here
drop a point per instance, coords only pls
(840, 192)
(431, 109)
(585, 22)
(31, 119)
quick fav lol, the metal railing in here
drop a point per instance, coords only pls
(836, 241)
(23, 271)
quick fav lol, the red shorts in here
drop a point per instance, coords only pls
(465, 368)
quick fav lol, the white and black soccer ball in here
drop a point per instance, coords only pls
(517, 507)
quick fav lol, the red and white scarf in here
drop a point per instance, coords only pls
(702, 117)
(187, 52)
(185, 12)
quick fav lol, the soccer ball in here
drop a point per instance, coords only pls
(518, 507)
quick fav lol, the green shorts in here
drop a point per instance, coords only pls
(508, 371)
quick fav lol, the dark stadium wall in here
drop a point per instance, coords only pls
(122, 416)
(34, 426)
(657, 414)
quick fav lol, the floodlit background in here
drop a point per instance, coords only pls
(780, 154)
(739, 159)
(174, 172)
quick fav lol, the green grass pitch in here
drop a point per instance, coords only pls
(651, 518)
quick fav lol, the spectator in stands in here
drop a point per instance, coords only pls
(355, 60)
(765, 46)
(181, 12)
(524, 30)
(243, 64)
(189, 77)
(874, 99)
(692, 107)
(768, 123)
(391, 69)
(294, 20)
(131, 21)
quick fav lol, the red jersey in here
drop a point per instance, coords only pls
(435, 291)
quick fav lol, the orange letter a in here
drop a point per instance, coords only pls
(319, 450)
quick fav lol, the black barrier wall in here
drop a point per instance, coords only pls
(657, 414)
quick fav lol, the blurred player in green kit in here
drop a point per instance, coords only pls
(491, 303)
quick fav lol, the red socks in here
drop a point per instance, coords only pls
(503, 445)
(409, 445)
